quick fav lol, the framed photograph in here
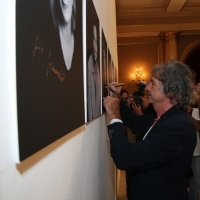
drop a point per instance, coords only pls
(113, 71)
(109, 68)
(104, 63)
(50, 95)
(93, 74)
(115, 74)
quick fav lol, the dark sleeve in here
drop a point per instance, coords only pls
(137, 123)
(163, 144)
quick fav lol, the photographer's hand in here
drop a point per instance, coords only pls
(137, 109)
(111, 105)
(130, 101)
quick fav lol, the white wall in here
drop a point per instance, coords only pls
(77, 166)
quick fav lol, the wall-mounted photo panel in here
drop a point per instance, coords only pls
(50, 97)
(113, 71)
(116, 74)
(109, 72)
(104, 65)
(93, 75)
(109, 68)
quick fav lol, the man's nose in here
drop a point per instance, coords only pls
(147, 87)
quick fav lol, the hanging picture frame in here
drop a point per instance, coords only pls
(50, 95)
(93, 75)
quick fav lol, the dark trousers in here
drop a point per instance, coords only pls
(128, 183)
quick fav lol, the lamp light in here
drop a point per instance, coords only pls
(138, 76)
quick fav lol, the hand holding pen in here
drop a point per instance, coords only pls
(114, 89)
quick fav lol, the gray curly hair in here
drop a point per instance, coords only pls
(178, 82)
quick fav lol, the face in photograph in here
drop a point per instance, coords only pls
(112, 69)
(104, 61)
(104, 66)
(109, 68)
(94, 86)
(95, 42)
(64, 17)
(93, 62)
(66, 6)
(49, 51)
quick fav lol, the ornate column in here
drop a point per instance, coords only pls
(171, 46)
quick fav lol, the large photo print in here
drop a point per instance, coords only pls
(50, 96)
(93, 62)
(104, 62)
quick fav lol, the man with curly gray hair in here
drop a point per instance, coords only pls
(160, 162)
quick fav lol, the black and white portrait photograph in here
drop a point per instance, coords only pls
(109, 68)
(113, 70)
(64, 18)
(49, 52)
(93, 62)
(110, 72)
(115, 74)
(104, 65)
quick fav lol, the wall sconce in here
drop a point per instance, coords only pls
(138, 76)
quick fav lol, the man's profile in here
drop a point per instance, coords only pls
(93, 81)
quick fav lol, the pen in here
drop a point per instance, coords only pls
(116, 85)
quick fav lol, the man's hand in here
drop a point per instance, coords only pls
(111, 105)
(114, 91)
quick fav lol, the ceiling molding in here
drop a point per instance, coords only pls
(175, 6)
(158, 27)
(149, 18)
(138, 40)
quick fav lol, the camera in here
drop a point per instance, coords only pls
(137, 100)
(142, 86)
(137, 95)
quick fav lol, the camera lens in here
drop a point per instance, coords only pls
(142, 86)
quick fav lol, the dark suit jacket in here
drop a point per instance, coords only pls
(161, 161)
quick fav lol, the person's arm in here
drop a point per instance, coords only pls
(162, 145)
(196, 123)
(137, 109)
(195, 118)
(137, 123)
(117, 109)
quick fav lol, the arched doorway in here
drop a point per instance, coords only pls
(191, 56)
